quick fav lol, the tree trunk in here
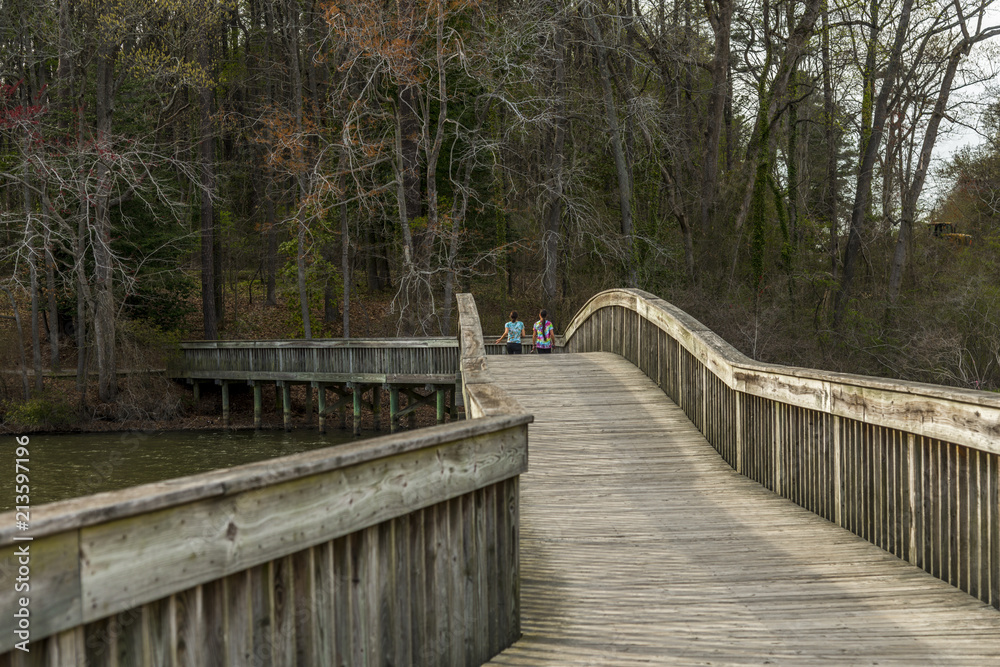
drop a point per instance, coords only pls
(209, 289)
(292, 45)
(64, 71)
(865, 171)
(104, 307)
(622, 168)
(831, 146)
(36, 328)
(300, 273)
(218, 275)
(32, 259)
(50, 284)
(410, 201)
(330, 311)
(80, 325)
(553, 217)
(912, 194)
(345, 248)
(25, 386)
(721, 22)
(769, 109)
(271, 250)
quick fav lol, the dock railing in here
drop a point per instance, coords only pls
(307, 359)
(910, 467)
(396, 550)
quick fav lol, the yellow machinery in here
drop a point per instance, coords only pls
(947, 231)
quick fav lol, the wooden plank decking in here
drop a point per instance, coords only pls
(639, 545)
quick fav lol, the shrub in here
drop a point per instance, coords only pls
(47, 411)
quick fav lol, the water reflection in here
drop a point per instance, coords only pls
(79, 464)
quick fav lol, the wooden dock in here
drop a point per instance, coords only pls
(640, 545)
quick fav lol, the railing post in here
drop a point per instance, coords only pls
(838, 500)
(911, 460)
(776, 444)
(739, 432)
(704, 402)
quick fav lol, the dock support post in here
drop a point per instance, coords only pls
(393, 409)
(377, 407)
(258, 407)
(321, 404)
(440, 405)
(277, 397)
(309, 402)
(286, 404)
(225, 404)
(411, 418)
(357, 409)
(197, 392)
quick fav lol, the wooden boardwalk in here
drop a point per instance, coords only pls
(639, 545)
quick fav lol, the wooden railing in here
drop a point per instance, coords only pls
(306, 360)
(396, 550)
(913, 468)
(309, 359)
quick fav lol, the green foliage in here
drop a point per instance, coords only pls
(145, 345)
(48, 411)
(321, 273)
(160, 292)
(758, 226)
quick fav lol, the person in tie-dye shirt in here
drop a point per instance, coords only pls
(543, 334)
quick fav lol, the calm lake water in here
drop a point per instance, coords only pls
(79, 464)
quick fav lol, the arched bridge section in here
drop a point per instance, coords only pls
(685, 504)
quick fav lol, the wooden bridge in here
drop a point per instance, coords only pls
(684, 505)
(640, 545)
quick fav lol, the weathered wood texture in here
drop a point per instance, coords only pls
(397, 550)
(235, 564)
(527, 347)
(318, 360)
(481, 395)
(360, 599)
(913, 468)
(641, 546)
(330, 360)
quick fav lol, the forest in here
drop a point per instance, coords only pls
(207, 169)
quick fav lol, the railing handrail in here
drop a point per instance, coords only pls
(190, 538)
(436, 341)
(76, 513)
(483, 397)
(962, 416)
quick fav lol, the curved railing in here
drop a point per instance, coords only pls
(911, 467)
(396, 550)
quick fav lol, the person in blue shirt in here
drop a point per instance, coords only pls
(513, 331)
